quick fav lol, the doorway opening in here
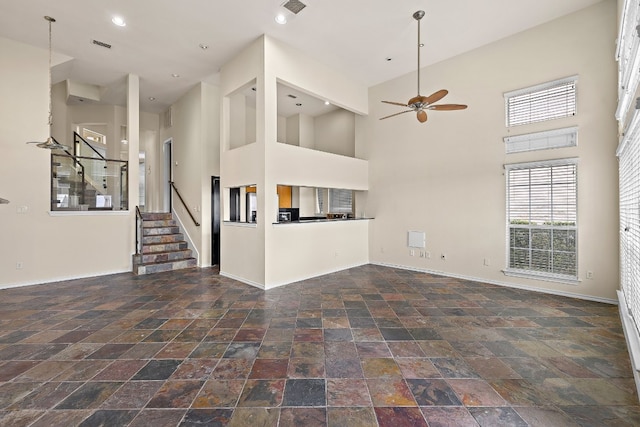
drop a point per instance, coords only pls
(167, 174)
(215, 220)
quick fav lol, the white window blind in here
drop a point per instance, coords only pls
(629, 176)
(542, 218)
(628, 56)
(340, 201)
(547, 101)
(557, 138)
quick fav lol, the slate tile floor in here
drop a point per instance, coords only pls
(370, 346)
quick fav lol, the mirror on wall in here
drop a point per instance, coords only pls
(241, 204)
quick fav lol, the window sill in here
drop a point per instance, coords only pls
(89, 213)
(569, 280)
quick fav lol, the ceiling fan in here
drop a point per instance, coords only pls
(420, 103)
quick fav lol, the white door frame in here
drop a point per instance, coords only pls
(167, 173)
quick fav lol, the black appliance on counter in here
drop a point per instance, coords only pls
(288, 214)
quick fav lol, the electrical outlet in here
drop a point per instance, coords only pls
(443, 257)
(412, 252)
(421, 254)
(22, 209)
(19, 265)
(487, 262)
(427, 255)
(589, 274)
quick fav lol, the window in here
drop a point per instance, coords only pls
(558, 138)
(629, 172)
(340, 201)
(542, 219)
(548, 101)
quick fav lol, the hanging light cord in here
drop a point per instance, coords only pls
(50, 19)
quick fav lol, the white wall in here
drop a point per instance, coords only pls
(251, 253)
(50, 248)
(195, 144)
(335, 132)
(446, 177)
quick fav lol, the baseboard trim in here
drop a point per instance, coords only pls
(313, 276)
(499, 283)
(632, 337)
(52, 280)
(242, 280)
(260, 286)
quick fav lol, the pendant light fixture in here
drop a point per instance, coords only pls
(50, 143)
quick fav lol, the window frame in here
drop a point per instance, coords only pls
(533, 273)
(540, 89)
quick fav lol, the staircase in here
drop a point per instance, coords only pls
(163, 246)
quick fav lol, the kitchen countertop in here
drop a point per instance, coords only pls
(309, 221)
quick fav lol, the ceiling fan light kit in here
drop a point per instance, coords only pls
(50, 143)
(419, 104)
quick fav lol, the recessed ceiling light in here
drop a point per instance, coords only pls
(151, 98)
(421, 44)
(176, 75)
(299, 104)
(203, 46)
(388, 58)
(119, 21)
(327, 103)
(281, 19)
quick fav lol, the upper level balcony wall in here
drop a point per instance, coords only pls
(298, 71)
(311, 168)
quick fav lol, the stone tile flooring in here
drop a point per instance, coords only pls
(370, 346)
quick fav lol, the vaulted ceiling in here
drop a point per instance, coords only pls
(370, 40)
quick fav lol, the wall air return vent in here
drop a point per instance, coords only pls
(294, 6)
(101, 44)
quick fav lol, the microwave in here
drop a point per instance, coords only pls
(284, 216)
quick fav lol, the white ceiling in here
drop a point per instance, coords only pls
(162, 37)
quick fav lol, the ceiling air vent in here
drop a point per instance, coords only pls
(294, 6)
(101, 44)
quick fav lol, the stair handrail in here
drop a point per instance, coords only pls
(138, 230)
(76, 135)
(79, 163)
(173, 185)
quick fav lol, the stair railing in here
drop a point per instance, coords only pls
(173, 185)
(82, 174)
(138, 231)
(77, 139)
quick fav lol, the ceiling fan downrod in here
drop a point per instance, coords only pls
(418, 16)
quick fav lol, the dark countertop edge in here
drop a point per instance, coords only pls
(320, 220)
